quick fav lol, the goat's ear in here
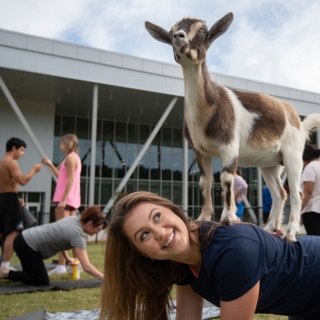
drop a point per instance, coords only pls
(219, 28)
(158, 33)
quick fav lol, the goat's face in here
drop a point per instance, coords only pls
(190, 38)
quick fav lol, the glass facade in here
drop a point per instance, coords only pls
(159, 171)
(117, 146)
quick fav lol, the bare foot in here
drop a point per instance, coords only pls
(4, 272)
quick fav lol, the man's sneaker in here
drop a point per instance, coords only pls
(57, 271)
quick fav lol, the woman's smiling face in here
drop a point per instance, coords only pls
(157, 232)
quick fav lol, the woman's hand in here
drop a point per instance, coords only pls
(61, 205)
(46, 161)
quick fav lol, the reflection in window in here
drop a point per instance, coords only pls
(155, 160)
(166, 190)
(144, 167)
(166, 166)
(177, 166)
(155, 187)
(177, 193)
(105, 191)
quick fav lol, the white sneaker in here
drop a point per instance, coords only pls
(57, 271)
(12, 268)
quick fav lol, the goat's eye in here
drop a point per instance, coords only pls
(202, 31)
(170, 34)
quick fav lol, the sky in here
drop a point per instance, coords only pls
(273, 41)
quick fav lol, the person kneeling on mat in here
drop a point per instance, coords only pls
(42, 242)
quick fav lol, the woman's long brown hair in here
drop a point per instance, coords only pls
(136, 287)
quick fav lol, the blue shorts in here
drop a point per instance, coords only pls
(240, 210)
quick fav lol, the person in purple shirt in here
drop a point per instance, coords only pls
(240, 188)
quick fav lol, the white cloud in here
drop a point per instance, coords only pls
(270, 40)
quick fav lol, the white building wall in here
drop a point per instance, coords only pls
(40, 117)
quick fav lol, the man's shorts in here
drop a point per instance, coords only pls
(10, 213)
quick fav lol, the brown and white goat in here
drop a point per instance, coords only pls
(249, 129)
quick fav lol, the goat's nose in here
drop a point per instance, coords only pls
(179, 34)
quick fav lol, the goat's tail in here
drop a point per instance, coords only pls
(310, 124)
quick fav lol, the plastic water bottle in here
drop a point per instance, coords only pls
(74, 272)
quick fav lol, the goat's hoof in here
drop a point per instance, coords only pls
(230, 220)
(291, 238)
(205, 217)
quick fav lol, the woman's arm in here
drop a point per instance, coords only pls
(189, 303)
(86, 265)
(48, 163)
(242, 308)
(307, 192)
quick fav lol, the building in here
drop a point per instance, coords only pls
(113, 103)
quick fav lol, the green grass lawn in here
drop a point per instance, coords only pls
(13, 305)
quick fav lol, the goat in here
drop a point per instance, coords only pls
(245, 128)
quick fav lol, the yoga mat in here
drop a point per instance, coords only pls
(209, 311)
(47, 265)
(11, 288)
(36, 315)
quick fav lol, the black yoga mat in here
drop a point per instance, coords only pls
(60, 285)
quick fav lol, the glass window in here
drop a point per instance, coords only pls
(177, 166)
(105, 191)
(144, 167)
(57, 155)
(83, 128)
(177, 140)
(57, 125)
(166, 166)
(107, 133)
(33, 197)
(121, 135)
(131, 186)
(143, 186)
(155, 166)
(217, 198)
(167, 137)
(166, 190)
(155, 187)
(120, 166)
(144, 133)
(97, 191)
(68, 125)
(107, 162)
(131, 157)
(133, 136)
(84, 190)
(177, 193)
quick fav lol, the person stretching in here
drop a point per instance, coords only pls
(42, 242)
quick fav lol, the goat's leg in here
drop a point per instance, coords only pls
(205, 166)
(272, 177)
(293, 164)
(228, 215)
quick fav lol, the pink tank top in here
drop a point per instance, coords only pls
(73, 198)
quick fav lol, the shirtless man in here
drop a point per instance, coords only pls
(10, 204)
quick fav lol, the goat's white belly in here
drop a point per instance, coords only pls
(259, 158)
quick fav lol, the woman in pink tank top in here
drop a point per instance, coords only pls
(67, 192)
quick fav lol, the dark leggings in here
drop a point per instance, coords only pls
(34, 271)
(311, 221)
